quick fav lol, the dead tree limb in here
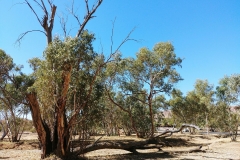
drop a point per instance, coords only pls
(20, 37)
(179, 130)
(133, 145)
(88, 16)
(47, 21)
(198, 149)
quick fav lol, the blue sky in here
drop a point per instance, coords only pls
(206, 33)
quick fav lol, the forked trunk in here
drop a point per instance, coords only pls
(59, 144)
(14, 138)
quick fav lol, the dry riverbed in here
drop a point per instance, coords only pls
(178, 147)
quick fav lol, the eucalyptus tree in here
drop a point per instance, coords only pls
(178, 107)
(229, 89)
(228, 93)
(151, 73)
(156, 70)
(13, 85)
(196, 106)
(204, 91)
(58, 71)
(67, 86)
(186, 109)
(130, 106)
(196, 109)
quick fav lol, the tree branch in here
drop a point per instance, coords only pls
(88, 16)
(23, 34)
(71, 11)
(179, 130)
(34, 11)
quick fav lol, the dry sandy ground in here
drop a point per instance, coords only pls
(212, 148)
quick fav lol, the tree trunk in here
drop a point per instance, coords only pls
(4, 132)
(41, 127)
(151, 113)
(63, 145)
(63, 148)
(15, 138)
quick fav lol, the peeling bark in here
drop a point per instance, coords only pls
(41, 127)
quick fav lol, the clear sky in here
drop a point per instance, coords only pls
(206, 33)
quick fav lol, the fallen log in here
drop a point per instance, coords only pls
(152, 142)
(179, 130)
(198, 149)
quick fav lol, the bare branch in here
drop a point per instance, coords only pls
(86, 2)
(71, 11)
(123, 42)
(98, 140)
(50, 2)
(39, 4)
(88, 17)
(126, 39)
(112, 34)
(44, 8)
(110, 98)
(17, 4)
(63, 22)
(44, 22)
(180, 129)
(34, 12)
(23, 34)
(52, 17)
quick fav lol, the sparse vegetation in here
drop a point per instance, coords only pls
(76, 94)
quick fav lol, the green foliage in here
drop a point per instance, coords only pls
(74, 56)
(6, 65)
(229, 89)
(138, 81)
(228, 94)
(196, 107)
(13, 86)
(157, 67)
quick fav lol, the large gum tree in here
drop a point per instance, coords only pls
(62, 59)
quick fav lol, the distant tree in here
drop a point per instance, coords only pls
(196, 107)
(229, 89)
(227, 118)
(179, 107)
(13, 85)
(204, 91)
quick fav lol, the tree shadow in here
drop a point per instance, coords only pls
(139, 156)
(178, 142)
(5, 157)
